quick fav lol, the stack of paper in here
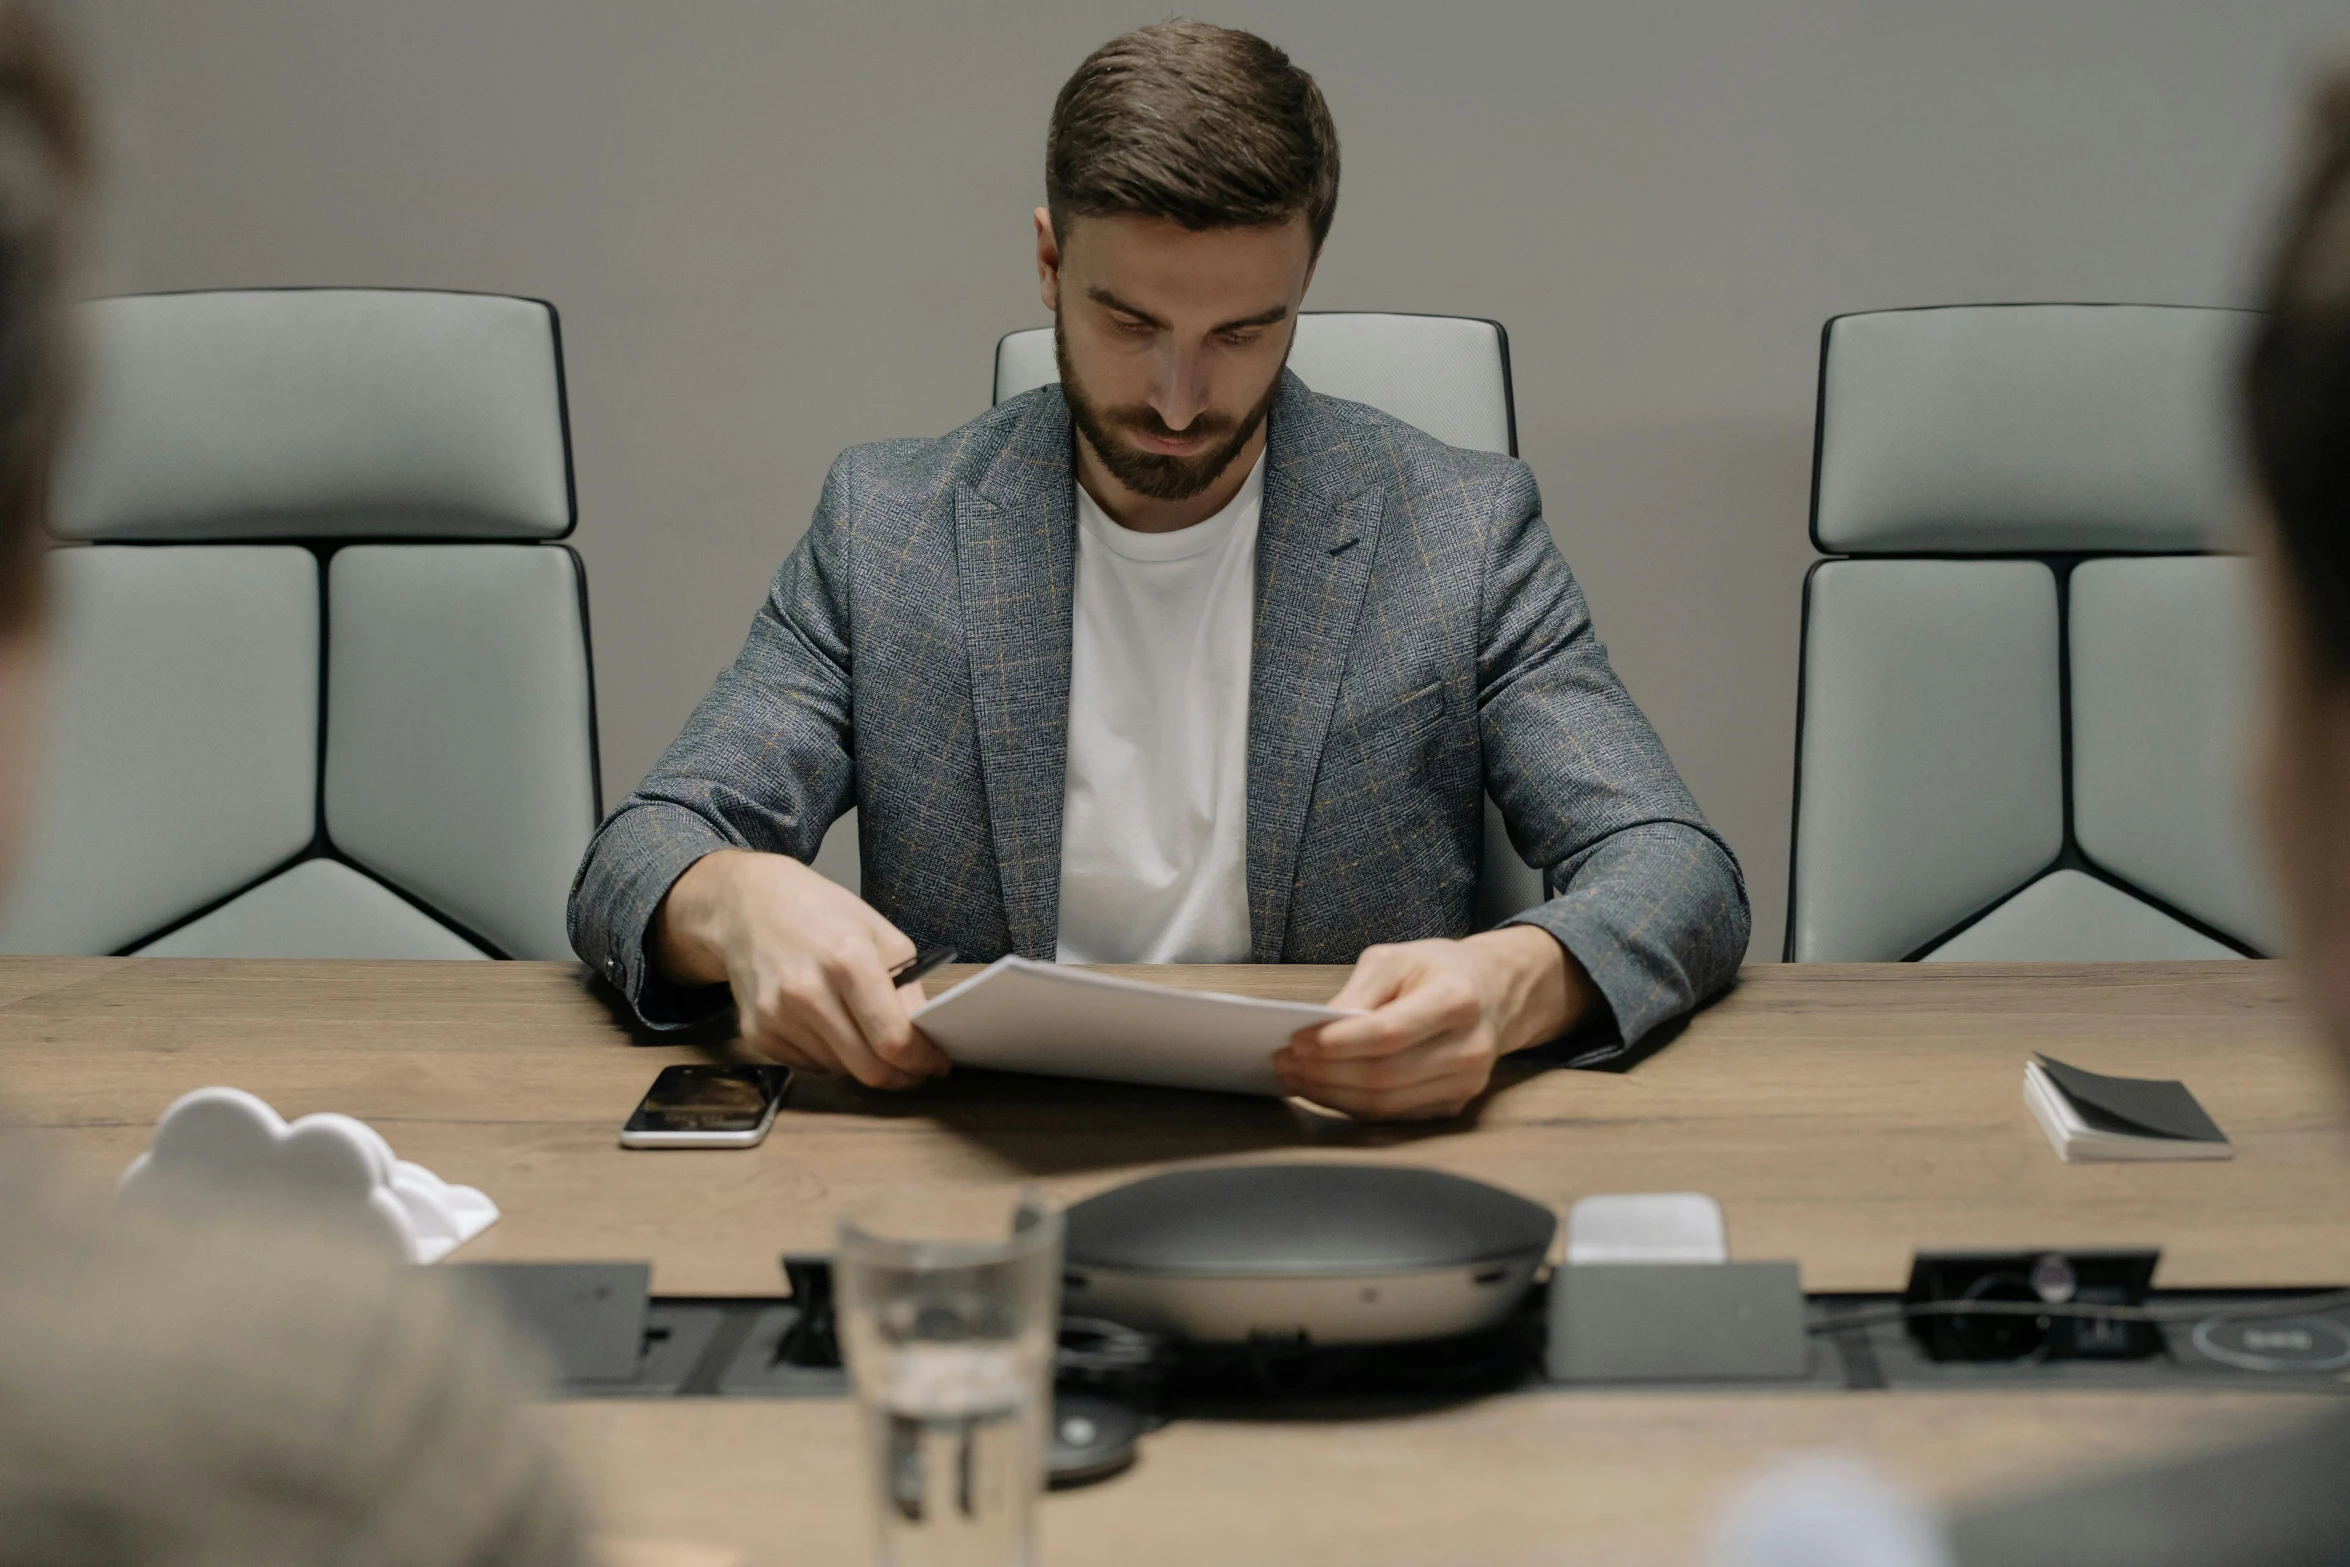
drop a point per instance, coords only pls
(1022, 1016)
(2089, 1116)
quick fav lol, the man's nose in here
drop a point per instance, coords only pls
(1178, 386)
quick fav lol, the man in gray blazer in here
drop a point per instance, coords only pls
(1176, 661)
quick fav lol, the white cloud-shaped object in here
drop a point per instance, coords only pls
(224, 1140)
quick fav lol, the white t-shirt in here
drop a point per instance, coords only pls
(1154, 814)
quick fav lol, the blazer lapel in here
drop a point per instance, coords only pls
(1315, 543)
(1016, 571)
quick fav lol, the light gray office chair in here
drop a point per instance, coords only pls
(321, 681)
(1447, 375)
(2024, 684)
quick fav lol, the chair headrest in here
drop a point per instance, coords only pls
(318, 413)
(2022, 428)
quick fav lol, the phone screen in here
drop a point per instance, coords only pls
(708, 1098)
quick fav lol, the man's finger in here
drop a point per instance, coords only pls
(1410, 1018)
(823, 1012)
(1440, 1058)
(1378, 975)
(1435, 1099)
(873, 1005)
(771, 1046)
(761, 1026)
(929, 1059)
(781, 1039)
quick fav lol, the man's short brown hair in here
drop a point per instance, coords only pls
(2297, 384)
(1205, 126)
(44, 162)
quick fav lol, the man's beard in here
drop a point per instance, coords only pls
(1155, 475)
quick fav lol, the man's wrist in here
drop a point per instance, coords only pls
(687, 947)
(1543, 990)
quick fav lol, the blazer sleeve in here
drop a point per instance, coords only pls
(765, 763)
(1643, 891)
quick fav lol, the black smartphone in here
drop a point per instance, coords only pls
(707, 1106)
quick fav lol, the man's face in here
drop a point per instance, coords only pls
(1171, 340)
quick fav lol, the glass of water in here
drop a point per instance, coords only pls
(948, 1306)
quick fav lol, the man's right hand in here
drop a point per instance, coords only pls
(808, 962)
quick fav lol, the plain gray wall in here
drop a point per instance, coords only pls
(776, 229)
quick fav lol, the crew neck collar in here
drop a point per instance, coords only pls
(1180, 543)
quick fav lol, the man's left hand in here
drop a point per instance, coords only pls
(1437, 1015)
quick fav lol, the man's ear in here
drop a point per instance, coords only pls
(1048, 261)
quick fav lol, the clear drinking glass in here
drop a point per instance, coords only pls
(948, 1306)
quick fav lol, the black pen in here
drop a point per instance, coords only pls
(922, 962)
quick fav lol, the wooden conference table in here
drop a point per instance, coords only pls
(1845, 1116)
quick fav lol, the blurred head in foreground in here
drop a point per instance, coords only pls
(251, 1390)
(44, 166)
(2297, 406)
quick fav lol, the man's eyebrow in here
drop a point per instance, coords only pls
(1102, 296)
(1261, 318)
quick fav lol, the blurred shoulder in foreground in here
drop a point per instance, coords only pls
(191, 1393)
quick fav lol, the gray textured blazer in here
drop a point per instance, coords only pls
(1418, 643)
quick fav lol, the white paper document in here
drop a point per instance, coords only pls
(1023, 1016)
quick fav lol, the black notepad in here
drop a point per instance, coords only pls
(2090, 1116)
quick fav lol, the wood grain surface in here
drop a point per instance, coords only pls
(1540, 1480)
(1844, 1115)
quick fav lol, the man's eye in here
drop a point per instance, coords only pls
(1241, 339)
(1137, 328)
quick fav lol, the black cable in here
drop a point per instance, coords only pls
(2292, 1306)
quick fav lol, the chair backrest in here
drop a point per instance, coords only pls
(1447, 375)
(321, 679)
(2023, 682)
